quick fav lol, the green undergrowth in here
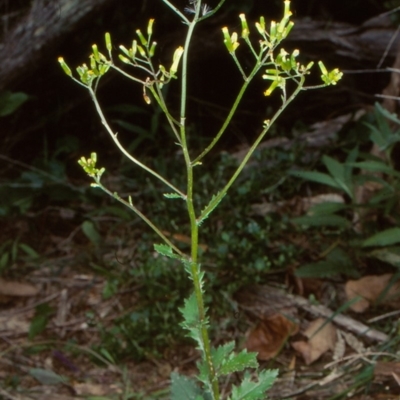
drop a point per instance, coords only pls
(248, 248)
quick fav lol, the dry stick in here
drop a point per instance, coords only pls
(342, 320)
(267, 294)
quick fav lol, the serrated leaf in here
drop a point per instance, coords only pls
(191, 320)
(221, 353)
(208, 209)
(239, 362)
(172, 195)
(46, 377)
(250, 390)
(183, 388)
(384, 238)
(190, 311)
(166, 251)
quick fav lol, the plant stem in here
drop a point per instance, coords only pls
(122, 149)
(222, 193)
(231, 113)
(142, 216)
(194, 265)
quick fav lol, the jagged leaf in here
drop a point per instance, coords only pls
(239, 362)
(172, 196)
(221, 353)
(250, 390)
(166, 251)
(191, 320)
(183, 388)
(209, 208)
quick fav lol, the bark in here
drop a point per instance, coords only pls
(370, 42)
(45, 23)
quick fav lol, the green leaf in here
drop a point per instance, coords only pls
(322, 220)
(209, 208)
(315, 176)
(172, 196)
(190, 311)
(28, 250)
(183, 388)
(385, 238)
(239, 362)
(40, 320)
(389, 255)
(10, 102)
(47, 377)
(107, 355)
(191, 320)
(166, 251)
(4, 259)
(376, 166)
(376, 136)
(392, 117)
(221, 353)
(91, 232)
(324, 269)
(250, 390)
(338, 172)
(336, 262)
(326, 208)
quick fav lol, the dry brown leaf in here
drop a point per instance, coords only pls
(13, 288)
(321, 338)
(370, 288)
(386, 368)
(270, 335)
(91, 389)
(14, 324)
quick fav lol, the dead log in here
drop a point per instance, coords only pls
(368, 42)
(23, 46)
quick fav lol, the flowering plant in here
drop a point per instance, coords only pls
(279, 67)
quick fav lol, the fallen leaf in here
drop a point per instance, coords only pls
(12, 288)
(370, 288)
(94, 389)
(14, 324)
(386, 368)
(321, 338)
(270, 335)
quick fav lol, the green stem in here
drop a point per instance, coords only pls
(212, 12)
(194, 266)
(122, 149)
(222, 193)
(231, 113)
(142, 216)
(176, 11)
